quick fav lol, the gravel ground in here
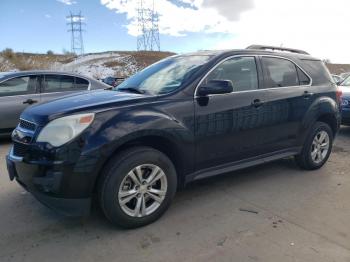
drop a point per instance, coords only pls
(293, 215)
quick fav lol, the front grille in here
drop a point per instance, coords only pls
(19, 149)
(27, 125)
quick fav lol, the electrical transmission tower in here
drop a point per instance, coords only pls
(76, 29)
(148, 20)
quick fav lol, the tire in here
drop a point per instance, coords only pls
(307, 159)
(121, 176)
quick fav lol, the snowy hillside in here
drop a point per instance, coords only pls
(98, 65)
(101, 65)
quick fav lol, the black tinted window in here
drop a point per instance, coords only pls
(18, 86)
(318, 72)
(57, 83)
(241, 71)
(279, 72)
(67, 82)
(81, 83)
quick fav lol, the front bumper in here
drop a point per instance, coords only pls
(45, 184)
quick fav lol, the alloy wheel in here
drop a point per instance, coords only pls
(143, 190)
(320, 147)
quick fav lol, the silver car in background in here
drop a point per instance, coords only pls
(19, 90)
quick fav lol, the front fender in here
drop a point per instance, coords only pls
(113, 129)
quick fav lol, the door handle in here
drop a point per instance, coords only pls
(307, 94)
(257, 103)
(30, 101)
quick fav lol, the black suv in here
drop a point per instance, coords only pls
(184, 118)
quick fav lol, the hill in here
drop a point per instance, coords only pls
(338, 68)
(97, 65)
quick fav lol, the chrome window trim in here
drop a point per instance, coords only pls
(37, 94)
(259, 89)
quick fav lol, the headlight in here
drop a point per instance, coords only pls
(63, 130)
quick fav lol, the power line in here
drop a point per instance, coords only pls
(148, 27)
(76, 29)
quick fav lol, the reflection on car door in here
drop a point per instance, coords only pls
(288, 98)
(55, 86)
(16, 94)
(231, 127)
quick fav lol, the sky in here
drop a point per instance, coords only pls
(316, 26)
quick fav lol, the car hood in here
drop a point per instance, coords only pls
(92, 101)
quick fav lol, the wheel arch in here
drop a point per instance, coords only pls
(323, 109)
(330, 120)
(166, 144)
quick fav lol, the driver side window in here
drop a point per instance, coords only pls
(241, 71)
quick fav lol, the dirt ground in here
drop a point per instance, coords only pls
(293, 215)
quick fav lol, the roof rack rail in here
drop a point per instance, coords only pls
(273, 48)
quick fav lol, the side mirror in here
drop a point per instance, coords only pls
(216, 87)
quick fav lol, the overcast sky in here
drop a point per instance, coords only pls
(319, 27)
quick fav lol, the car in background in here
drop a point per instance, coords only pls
(337, 79)
(344, 75)
(345, 88)
(19, 90)
(345, 82)
(345, 105)
(113, 81)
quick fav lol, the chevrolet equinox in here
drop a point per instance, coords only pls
(185, 118)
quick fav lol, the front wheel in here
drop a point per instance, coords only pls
(317, 147)
(137, 187)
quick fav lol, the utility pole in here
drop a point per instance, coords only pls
(75, 25)
(148, 27)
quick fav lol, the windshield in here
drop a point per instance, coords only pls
(165, 76)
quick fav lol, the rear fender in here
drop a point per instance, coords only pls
(322, 106)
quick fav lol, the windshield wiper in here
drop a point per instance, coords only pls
(132, 89)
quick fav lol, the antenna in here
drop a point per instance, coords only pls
(75, 27)
(148, 20)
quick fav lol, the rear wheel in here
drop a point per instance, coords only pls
(137, 187)
(317, 147)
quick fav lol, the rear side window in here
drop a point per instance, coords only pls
(58, 83)
(67, 82)
(18, 86)
(241, 71)
(81, 84)
(318, 71)
(279, 72)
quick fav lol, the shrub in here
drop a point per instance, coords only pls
(8, 53)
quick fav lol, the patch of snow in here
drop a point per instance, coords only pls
(94, 65)
(6, 66)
